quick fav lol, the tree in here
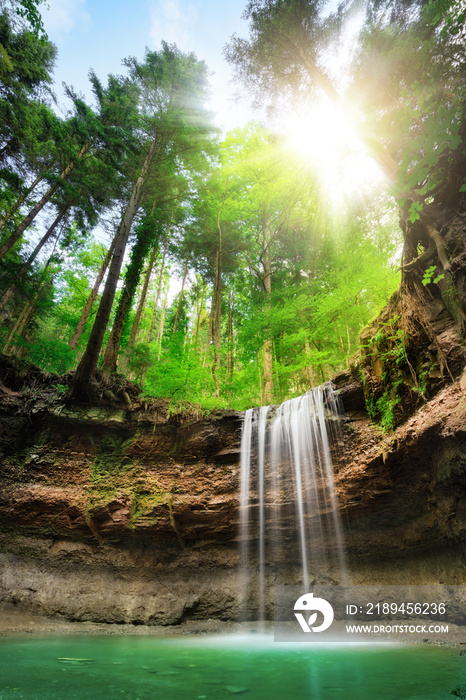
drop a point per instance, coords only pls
(28, 10)
(173, 126)
(215, 238)
(104, 133)
(280, 202)
(26, 121)
(283, 55)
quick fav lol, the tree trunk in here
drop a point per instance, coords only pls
(26, 314)
(159, 290)
(142, 300)
(159, 336)
(217, 317)
(88, 365)
(200, 307)
(41, 203)
(180, 298)
(10, 348)
(145, 238)
(260, 379)
(267, 283)
(20, 200)
(210, 328)
(217, 307)
(230, 337)
(20, 274)
(92, 297)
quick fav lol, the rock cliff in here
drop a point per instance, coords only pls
(119, 513)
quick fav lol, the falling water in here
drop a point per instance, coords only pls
(288, 507)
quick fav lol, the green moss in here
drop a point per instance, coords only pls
(452, 463)
(144, 503)
(111, 457)
(387, 352)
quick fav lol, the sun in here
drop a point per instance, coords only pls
(324, 138)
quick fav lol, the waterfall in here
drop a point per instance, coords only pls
(290, 530)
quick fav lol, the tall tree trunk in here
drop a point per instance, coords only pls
(142, 300)
(92, 297)
(88, 365)
(200, 307)
(24, 268)
(230, 361)
(217, 307)
(41, 203)
(159, 290)
(180, 298)
(210, 328)
(26, 314)
(21, 199)
(261, 388)
(159, 335)
(217, 317)
(10, 348)
(133, 273)
(267, 283)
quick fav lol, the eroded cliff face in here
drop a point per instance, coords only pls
(126, 514)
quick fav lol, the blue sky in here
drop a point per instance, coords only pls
(98, 34)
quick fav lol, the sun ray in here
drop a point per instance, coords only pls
(323, 136)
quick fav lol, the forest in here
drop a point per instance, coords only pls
(223, 269)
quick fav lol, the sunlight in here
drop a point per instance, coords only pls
(325, 139)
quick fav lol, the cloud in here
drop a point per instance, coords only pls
(171, 21)
(64, 15)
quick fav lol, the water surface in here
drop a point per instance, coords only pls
(215, 668)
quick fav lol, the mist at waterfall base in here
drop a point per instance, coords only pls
(251, 666)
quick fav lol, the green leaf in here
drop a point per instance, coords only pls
(414, 210)
(428, 274)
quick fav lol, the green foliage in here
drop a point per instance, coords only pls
(273, 273)
(386, 406)
(422, 379)
(141, 360)
(48, 351)
(389, 343)
(429, 276)
(409, 81)
(29, 10)
(414, 210)
(387, 352)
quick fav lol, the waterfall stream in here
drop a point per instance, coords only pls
(290, 529)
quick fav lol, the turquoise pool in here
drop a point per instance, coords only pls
(214, 668)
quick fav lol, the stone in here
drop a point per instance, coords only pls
(236, 689)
